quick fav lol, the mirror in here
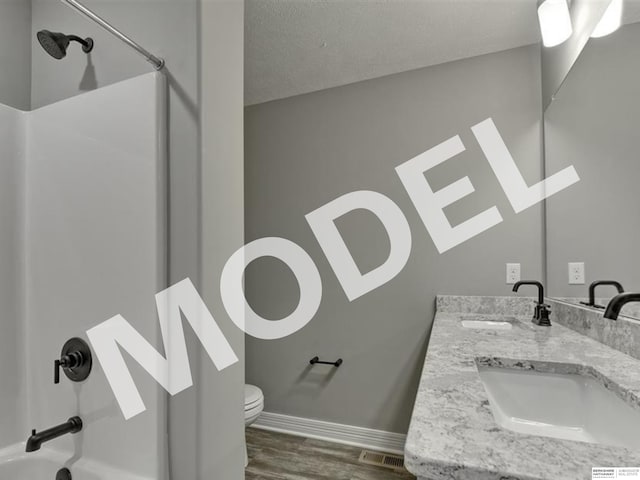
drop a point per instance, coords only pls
(556, 62)
(593, 124)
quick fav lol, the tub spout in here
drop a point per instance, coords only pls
(35, 441)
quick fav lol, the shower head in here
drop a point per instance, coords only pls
(56, 44)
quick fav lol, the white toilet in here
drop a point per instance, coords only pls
(253, 406)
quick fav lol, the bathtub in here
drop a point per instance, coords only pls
(16, 464)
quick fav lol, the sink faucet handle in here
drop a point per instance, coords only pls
(592, 290)
(618, 302)
(535, 283)
(541, 312)
(542, 315)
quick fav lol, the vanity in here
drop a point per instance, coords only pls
(502, 398)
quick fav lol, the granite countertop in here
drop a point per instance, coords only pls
(453, 434)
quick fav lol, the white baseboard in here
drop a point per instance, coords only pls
(332, 432)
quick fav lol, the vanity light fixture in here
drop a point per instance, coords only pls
(555, 22)
(610, 21)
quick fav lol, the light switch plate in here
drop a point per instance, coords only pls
(576, 273)
(513, 273)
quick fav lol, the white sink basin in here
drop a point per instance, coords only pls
(566, 406)
(486, 325)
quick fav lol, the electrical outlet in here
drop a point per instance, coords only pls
(513, 273)
(576, 273)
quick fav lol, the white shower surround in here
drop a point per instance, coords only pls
(15, 463)
(91, 186)
(12, 394)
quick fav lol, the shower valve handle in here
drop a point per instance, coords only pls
(75, 361)
(71, 360)
(56, 372)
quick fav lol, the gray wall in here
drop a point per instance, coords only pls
(593, 124)
(304, 151)
(222, 447)
(208, 432)
(15, 53)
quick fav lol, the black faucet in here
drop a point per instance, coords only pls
(619, 301)
(542, 311)
(592, 291)
(73, 425)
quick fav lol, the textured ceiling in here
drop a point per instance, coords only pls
(301, 46)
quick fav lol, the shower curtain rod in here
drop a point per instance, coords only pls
(158, 63)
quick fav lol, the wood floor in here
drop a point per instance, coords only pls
(275, 456)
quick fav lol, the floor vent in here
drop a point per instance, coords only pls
(387, 460)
